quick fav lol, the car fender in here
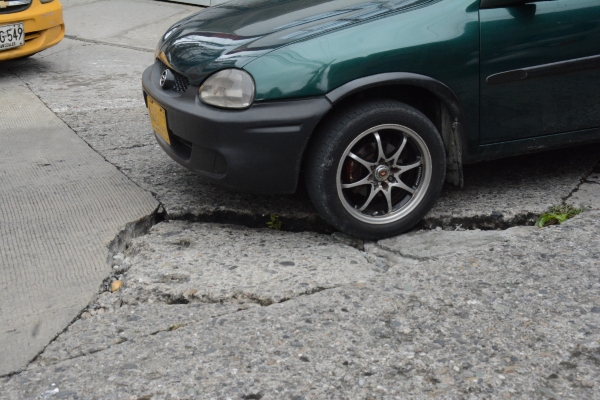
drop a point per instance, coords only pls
(453, 128)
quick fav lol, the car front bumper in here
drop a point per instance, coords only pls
(256, 150)
(43, 24)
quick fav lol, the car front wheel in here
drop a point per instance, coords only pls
(376, 169)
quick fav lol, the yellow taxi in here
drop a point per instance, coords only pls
(29, 26)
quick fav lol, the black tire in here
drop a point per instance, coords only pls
(353, 191)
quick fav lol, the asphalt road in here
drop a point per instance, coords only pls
(218, 311)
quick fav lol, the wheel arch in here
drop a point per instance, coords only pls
(436, 100)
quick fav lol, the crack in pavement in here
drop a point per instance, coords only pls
(42, 56)
(584, 180)
(135, 146)
(398, 252)
(490, 222)
(310, 223)
(77, 133)
(171, 299)
(120, 243)
(24, 368)
(117, 342)
(140, 228)
(268, 302)
(100, 42)
(131, 231)
(171, 328)
(419, 324)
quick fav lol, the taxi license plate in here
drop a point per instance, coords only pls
(158, 118)
(11, 36)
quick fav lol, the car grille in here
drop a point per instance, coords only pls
(181, 82)
(14, 6)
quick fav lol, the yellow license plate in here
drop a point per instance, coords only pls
(158, 118)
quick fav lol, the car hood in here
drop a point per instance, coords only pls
(235, 33)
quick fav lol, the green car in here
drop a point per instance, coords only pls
(374, 104)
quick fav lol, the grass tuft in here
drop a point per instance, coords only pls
(557, 215)
(274, 223)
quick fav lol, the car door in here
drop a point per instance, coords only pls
(540, 68)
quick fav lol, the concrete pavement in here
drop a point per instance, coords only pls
(214, 311)
(223, 311)
(61, 206)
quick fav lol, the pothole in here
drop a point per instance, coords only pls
(309, 223)
(314, 223)
(494, 221)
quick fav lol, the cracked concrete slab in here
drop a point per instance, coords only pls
(105, 325)
(424, 245)
(180, 262)
(61, 205)
(520, 321)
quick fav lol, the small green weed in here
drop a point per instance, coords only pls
(557, 215)
(274, 223)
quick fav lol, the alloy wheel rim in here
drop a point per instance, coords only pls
(384, 174)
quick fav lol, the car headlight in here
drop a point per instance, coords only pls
(229, 88)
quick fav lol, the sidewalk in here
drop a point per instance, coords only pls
(61, 205)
